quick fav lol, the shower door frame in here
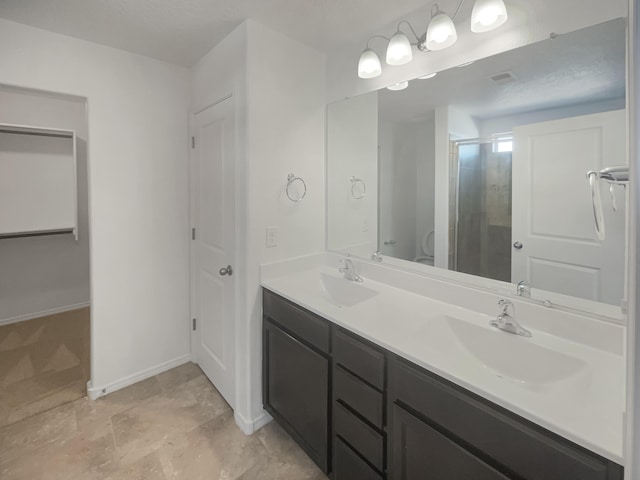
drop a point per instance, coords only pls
(454, 206)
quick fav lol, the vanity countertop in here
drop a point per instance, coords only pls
(574, 389)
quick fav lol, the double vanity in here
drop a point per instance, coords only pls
(402, 374)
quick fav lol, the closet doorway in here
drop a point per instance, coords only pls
(44, 252)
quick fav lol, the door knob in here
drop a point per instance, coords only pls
(517, 246)
(226, 271)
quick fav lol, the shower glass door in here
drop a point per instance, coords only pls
(481, 211)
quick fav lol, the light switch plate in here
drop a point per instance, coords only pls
(272, 237)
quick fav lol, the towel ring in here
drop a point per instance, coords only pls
(355, 181)
(291, 179)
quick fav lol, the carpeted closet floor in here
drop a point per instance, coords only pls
(44, 363)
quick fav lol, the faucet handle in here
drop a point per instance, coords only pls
(505, 306)
(523, 289)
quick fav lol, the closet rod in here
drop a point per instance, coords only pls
(36, 134)
(35, 234)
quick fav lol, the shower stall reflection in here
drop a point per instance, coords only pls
(481, 209)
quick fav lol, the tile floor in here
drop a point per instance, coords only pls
(172, 426)
(44, 363)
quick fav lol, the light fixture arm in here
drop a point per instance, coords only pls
(377, 36)
(410, 28)
(457, 10)
(437, 10)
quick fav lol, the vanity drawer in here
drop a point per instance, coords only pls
(502, 438)
(297, 321)
(348, 465)
(360, 436)
(359, 358)
(362, 398)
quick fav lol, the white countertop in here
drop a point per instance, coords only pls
(586, 408)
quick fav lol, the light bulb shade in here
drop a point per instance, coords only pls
(399, 50)
(398, 86)
(369, 64)
(441, 32)
(487, 15)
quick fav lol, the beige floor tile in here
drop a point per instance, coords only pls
(147, 468)
(207, 396)
(274, 469)
(39, 386)
(217, 450)
(72, 458)
(52, 400)
(179, 375)
(25, 437)
(184, 431)
(93, 416)
(145, 427)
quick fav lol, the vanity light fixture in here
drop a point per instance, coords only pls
(399, 49)
(441, 33)
(369, 64)
(487, 15)
(427, 77)
(398, 86)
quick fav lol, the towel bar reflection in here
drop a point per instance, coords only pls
(291, 180)
(354, 188)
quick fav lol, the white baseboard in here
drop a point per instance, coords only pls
(249, 427)
(96, 392)
(43, 313)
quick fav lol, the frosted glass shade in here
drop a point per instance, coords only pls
(487, 15)
(441, 32)
(369, 64)
(399, 50)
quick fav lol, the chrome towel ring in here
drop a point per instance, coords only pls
(295, 197)
(354, 189)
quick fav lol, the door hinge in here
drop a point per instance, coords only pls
(193, 327)
(193, 234)
(193, 142)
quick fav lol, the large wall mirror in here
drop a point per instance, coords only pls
(481, 172)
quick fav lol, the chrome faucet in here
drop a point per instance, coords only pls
(506, 320)
(349, 270)
(523, 289)
(376, 256)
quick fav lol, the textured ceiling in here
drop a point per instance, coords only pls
(583, 66)
(182, 31)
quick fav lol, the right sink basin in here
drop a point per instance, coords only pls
(511, 357)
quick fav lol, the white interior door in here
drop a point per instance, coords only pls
(554, 244)
(213, 253)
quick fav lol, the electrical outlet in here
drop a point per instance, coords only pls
(365, 225)
(272, 237)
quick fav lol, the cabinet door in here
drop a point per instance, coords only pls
(422, 453)
(296, 391)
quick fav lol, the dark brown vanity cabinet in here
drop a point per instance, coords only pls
(363, 413)
(296, 374)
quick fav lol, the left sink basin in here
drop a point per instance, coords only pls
(344, 293)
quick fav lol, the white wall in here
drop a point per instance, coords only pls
(138, 186)
(278, 85)
(221, 72)
(425, 198)
(286, 134)
(529, 21)
(49, 273)
(406, 193)
(352, 150)
(450, 123)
